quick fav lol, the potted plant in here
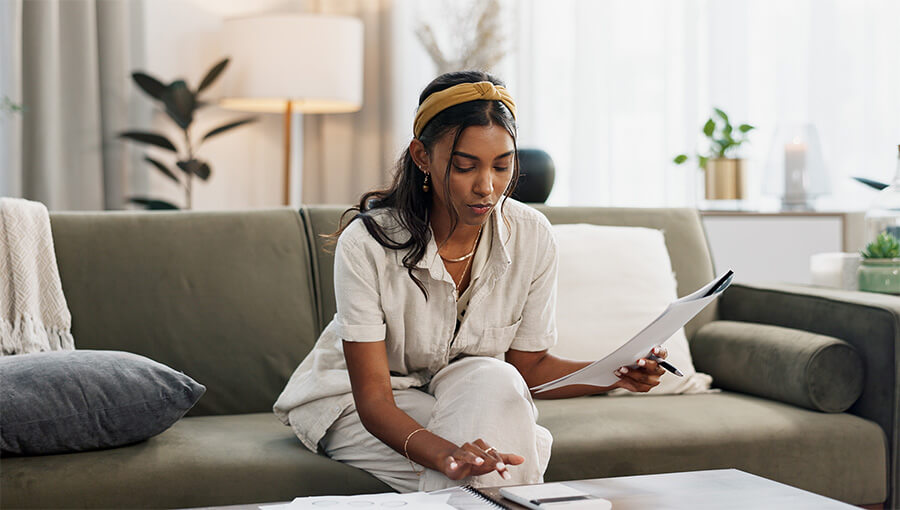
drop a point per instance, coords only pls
(724, 172)
(180, 104)
(879, 269)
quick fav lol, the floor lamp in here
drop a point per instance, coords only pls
(293, 63)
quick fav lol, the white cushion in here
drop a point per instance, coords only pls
(613, 281)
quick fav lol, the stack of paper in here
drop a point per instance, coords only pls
(417, 500)
(673, 318)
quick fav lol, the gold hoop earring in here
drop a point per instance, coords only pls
(425, 185)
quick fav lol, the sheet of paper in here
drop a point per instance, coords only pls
(673, 318)
(413, 500)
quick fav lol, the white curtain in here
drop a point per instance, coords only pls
(67, 62)
(614, 89)
(345, 155)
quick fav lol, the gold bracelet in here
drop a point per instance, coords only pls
(405, 452)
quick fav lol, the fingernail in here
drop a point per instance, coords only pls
(618, 374)
(641, 363)
(656, 350)
(506, 475)
(453, 465)
(501, 466)
(624, 370)
(479, 461)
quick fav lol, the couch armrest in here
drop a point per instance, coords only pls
(868, 321)
(817, 372)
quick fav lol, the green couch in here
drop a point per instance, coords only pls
(237, 299)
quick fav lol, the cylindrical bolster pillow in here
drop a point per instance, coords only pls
(814, 371)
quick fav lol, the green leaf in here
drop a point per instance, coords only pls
(204, 171)
(720, 113)
(162, 168)
(679, 159)
(149, 138)
(702, 161)
(743, 128)
(180, 103)
(153, 87)
(709, 127)
(225, 127)
(199, 168)
(724, 145)
(153, 204)
(872, 184)
(727, 131)
(212, 74)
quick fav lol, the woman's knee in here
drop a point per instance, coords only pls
(495, 380)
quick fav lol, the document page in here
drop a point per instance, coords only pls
(673, 318)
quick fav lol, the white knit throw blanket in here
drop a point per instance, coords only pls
(34, 316)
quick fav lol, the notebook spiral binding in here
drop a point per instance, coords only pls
(484, 497)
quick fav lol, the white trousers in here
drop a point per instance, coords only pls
(472, 398)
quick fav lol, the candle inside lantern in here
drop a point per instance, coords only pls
(795, 172)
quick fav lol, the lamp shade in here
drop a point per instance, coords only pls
(313, 61)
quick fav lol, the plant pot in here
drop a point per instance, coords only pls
(724, 179)
(880, 275)
(536, 175)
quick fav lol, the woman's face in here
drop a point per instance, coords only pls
(481, 168)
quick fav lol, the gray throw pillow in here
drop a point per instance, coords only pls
(70, 401)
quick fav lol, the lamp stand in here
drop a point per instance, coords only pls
(288, 116)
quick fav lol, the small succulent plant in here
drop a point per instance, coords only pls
(885, 246)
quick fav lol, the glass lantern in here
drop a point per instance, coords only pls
(884, 214)
(795, 170)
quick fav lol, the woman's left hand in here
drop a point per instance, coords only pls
(643, 375)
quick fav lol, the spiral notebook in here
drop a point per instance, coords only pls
(467, 497)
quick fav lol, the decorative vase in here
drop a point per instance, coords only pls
(536, 175)
(724, 179)
(880, 275)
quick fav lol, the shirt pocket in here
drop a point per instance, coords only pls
(495, 340)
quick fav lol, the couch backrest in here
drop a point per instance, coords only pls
(225, 297)
(237, 299)
(683, 230)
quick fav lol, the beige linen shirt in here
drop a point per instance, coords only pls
(512, 306)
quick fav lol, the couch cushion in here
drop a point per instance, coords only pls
(817, 372)
(837, 455)
(322, 220)
(200, 461)
(70, 401)
(225, 297)
(684, 236)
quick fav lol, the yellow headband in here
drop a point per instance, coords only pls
(462, 93)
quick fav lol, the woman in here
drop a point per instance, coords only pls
(446, 293)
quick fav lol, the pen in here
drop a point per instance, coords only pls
(665, 364)
(724, 281)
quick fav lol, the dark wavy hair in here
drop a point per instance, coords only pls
(404, 196)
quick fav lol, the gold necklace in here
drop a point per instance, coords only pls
(468, 260)
(467, 255)
(463, 276)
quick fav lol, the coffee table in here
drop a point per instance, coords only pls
(696, 490)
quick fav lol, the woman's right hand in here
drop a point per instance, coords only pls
(478, 458)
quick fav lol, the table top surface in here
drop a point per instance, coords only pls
(696, 490)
